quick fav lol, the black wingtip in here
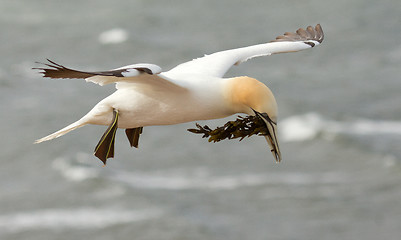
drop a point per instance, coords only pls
(306, 35)
(56, 70)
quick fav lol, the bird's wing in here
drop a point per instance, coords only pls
(138, 73)
(217, 64)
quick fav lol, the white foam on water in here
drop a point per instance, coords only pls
(74, 172)
(78, 168)
(369, 127)
(310, 125)
(184, 181)
(83, 218)
(113, 36)
(300, 128)
(177, 182)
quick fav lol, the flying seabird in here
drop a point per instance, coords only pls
(191, 91)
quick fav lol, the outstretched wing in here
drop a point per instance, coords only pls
(217, 64)
(137, 73)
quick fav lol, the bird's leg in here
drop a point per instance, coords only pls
(133, 135)
(105, 148)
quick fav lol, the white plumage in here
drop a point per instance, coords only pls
(195, 90)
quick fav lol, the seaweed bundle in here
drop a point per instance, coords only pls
(241, 128)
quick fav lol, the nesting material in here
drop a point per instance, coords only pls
(241, 128)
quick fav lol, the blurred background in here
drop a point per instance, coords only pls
(339, 123)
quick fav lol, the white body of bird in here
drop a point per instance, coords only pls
(195, 90)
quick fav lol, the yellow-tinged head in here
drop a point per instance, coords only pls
(248, 95)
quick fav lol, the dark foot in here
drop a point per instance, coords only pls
(133, 135)
(105, 148)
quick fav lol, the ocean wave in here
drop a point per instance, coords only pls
(83, 218)
(201, 178)
(113, 36)
(308, 126)
(185, 180)
(77, 169)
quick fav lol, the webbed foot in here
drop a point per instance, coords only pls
(133, 135)
(105, 148)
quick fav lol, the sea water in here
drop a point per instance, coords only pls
(339, 124)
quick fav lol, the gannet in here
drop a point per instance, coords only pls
(194, 90)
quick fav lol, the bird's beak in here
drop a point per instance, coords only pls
(271, 135)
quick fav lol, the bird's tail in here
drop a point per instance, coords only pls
(61, 132)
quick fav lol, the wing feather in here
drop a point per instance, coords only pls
(59, 71)
(138, 73)
(217, 64)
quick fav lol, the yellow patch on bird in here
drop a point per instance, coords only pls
(245, 94)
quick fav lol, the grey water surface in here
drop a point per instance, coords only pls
(339, 123)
